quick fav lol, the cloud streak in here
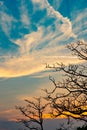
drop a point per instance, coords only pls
(31, 63)
(80, 24)
(38, 47)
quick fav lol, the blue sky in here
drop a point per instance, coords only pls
(37, 28)
(33, 33)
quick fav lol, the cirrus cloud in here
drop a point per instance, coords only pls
(38, 47)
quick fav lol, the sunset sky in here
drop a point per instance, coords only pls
(33, 33)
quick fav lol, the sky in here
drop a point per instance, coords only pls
(33, 33)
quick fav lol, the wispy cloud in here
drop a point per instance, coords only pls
(80, 24)
(8, 114)
(6, 21)
(24, 14)
(32, 63)
(39, 47)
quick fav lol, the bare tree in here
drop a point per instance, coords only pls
(33, 112)
(72, 102)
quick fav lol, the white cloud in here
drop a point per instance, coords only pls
(24, 13)
(80, 23)
(36, 1)
(57, 3)
(33, 63)
(30, 41)
(40, 47)
(67, 25)
(40, 3)
(6, 22)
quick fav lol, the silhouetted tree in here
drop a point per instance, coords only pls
(72, 102)
(33, 112)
